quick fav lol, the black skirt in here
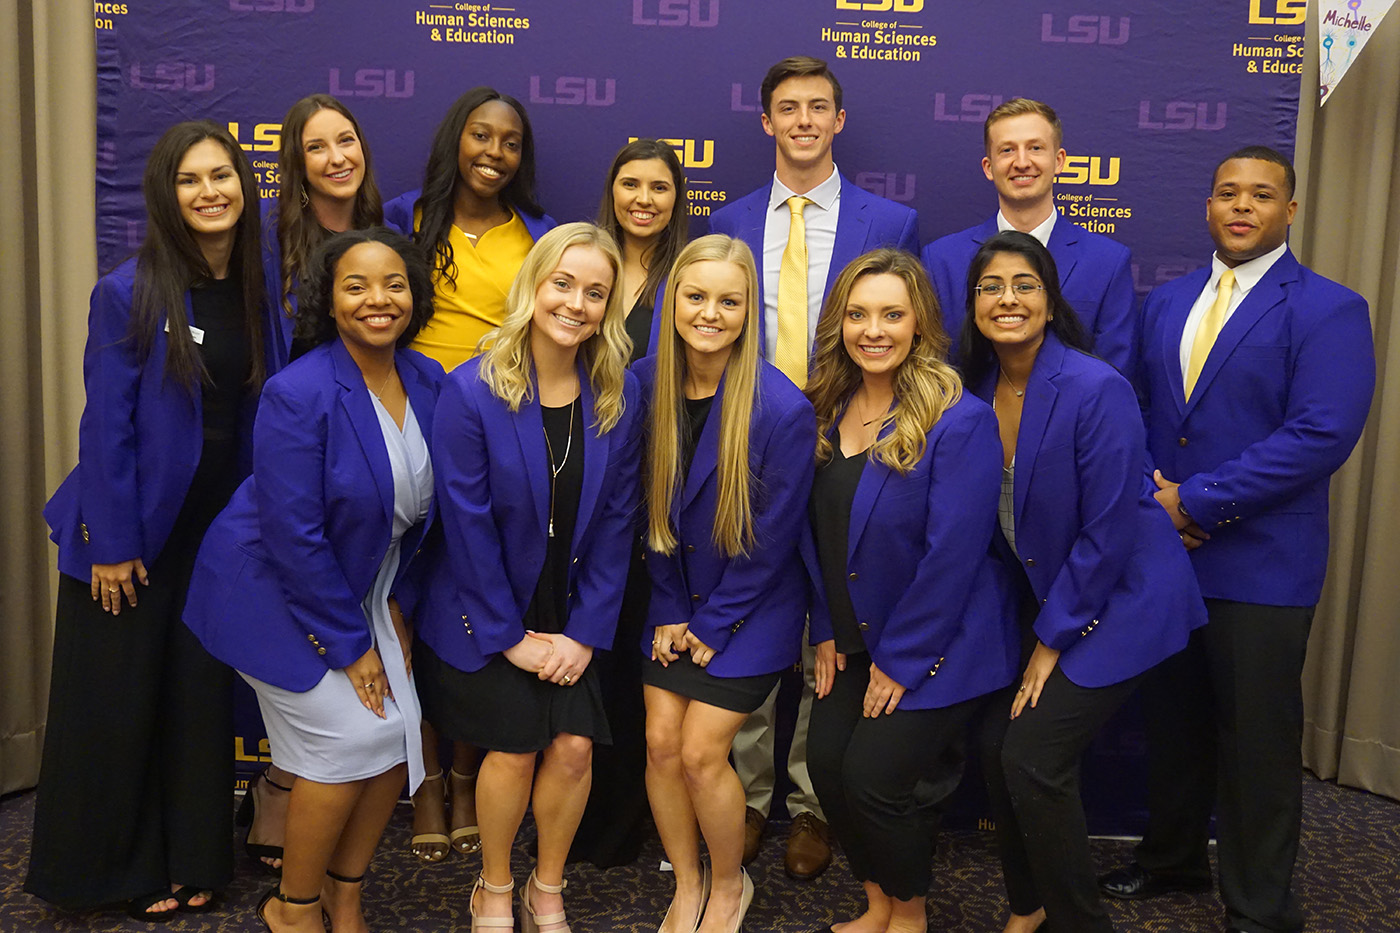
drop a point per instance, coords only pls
(502, 708)
(690, 680)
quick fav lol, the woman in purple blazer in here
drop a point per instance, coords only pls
(178, 347)
(302, 582)
(536, 473)
(727, 475)
(910, 612)
(1107, 590)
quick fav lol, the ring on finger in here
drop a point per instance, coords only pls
(567, 679)
(114, 589)
(370, 685)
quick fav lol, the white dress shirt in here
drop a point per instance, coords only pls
(1247, 275)
(1041, 232)
(820, 217)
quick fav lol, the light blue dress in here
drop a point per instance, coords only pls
(326, 734)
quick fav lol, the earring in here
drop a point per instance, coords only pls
(305, 198)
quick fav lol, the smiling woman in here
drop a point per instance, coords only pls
(296, 584)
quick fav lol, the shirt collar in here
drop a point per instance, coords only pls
(1247, 274)
(1041, 232)
(823, 195)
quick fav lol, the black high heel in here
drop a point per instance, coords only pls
(277, 893)
(247, 813)
(343, 879)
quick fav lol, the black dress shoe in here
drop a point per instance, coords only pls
(1135, 883)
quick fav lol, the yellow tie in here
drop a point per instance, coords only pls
(1208, 330)
(790, 354)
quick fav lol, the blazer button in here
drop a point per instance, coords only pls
(321, 651)
(1181, 441)
(311, 638)
(734, 627)
(1030, 561)
(864, 626)
(576, 560)
(86, 539)
(854, 576)
(695, 597)
(690, 548)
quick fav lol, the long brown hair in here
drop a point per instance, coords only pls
(298, 230)
(170, 261)
(733, 531)
(670, 241)
(925, 386)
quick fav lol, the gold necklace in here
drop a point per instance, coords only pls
(385, 384)
(555, 471)
(1019, 392)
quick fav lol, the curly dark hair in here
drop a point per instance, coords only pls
(315, 323)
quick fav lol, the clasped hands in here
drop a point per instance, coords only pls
(1168, 495)
(556, 658)
(670, 640)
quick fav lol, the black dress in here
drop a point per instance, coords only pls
(639, 326)
(683, 676)
(501, 707)
(138, 754)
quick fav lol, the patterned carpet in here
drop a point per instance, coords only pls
(1348, 878)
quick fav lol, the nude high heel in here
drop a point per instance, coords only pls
(530, 922)
(491, 923)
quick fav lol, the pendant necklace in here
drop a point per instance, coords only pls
(1019, 392)
(383, 385)
(555, 471)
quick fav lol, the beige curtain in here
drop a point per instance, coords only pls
(48, 266)
(1349, 230)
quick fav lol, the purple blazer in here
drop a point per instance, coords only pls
(139, 440)
(1114, 584)
(1277, 410)
(1096, 278)
(398, 214)
(865, 222)
(750, 610)
(272, 275)
(492, 479)
(932, 601)
(281, 575)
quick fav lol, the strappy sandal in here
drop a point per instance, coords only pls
(530, 922)
(465, 839)
(188, 892)
(276, 892)
(490, 923)
(139, 908)
(431, 847)
(343, 879)
(248, 814)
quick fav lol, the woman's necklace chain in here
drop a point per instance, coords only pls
(1019, 392)
(554, 471)
(385, 384)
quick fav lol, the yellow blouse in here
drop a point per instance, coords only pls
(477, 305)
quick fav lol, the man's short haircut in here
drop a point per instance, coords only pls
(798, 66)
(1263, 154)
(1017, 106)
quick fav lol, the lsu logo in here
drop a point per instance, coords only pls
(1183, 115)
(699, 13)
(172, 76)
(881, 6)
(272, 6)
(1085, 30)
(686, 151)
(267, 137)
(1088, 170)
(1281, 12)
(373, 82)
(973, 108)
(890, 185)
(573, 91)
(737, 103)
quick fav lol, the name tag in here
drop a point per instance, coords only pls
(196, 334)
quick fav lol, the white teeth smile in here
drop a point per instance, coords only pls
(340, 176)
(707, 329)
(875, 351)
(1009, 318)
(642, 216)
(567, 321)
(489, 172)
(212, 210)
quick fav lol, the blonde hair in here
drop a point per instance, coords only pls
(925, 386)
(733, 532)
(507, 366)
(1018, 106)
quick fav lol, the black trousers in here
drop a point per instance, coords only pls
(1225, 727)
(135, 789)
(871, 777)
(1032, 767)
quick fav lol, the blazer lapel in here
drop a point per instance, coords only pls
(423, 399)
(706, 457)
(359, 408)
(1035, 415)
(852, 222)
(1267, 293)
(528, 423)
(1064, 247)
(595, 458)
(872, 482)
(1177, 313)
(750, 230)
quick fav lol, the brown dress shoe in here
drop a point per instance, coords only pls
(753, 833)
(808, 847)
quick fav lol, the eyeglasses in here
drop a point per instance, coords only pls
(1022, 289)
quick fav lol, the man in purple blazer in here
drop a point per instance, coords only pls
(1257, 376)
(1024, 153)
(835, 222)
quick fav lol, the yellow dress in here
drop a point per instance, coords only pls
(463, 314)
